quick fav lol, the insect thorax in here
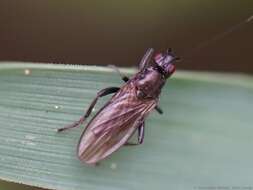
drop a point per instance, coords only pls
(149, 83)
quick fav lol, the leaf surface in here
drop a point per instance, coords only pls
(203, 139)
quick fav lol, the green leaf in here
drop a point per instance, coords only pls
(203, 139)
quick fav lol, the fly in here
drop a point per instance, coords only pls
(125, 112)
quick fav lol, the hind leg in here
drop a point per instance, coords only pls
(140, 135)
(100, 94)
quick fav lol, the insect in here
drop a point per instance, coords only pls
(125, 112)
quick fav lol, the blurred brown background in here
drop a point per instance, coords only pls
(118, 32)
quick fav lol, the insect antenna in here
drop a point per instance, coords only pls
(170, 52)
(217, 37)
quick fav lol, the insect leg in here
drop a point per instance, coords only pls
(159, 110)
(130, 144)
(100, 94)
(140, 135)
(123, 77)
(146, 59)
(144, 63)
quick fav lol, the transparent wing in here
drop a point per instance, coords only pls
(114, 124)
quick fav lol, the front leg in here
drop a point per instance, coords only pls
(145, 61)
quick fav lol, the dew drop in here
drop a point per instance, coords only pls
(27, 71)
